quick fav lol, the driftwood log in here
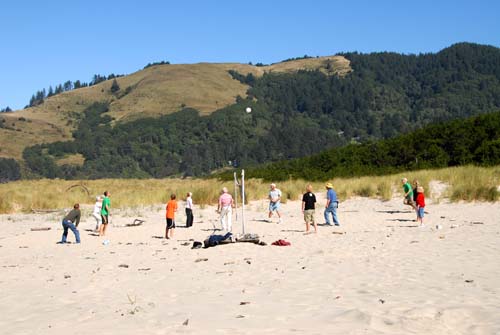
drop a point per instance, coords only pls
(40, 229)
(45, 211)
(136, 223)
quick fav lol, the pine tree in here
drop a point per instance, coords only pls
(68, 86)
(114, 86)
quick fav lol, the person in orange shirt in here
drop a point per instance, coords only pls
(171, 209)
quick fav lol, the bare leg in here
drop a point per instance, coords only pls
(307, 227)
(315, 227)
(101, 229)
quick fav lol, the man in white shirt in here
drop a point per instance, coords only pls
(274, 201)
(189, 210)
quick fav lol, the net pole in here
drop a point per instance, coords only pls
(243, 201)
(236, 196)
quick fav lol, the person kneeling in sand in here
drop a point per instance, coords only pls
(171, 209)
(69, 223)
(308, 208)
(225, 209)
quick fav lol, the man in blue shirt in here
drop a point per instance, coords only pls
(331, 205)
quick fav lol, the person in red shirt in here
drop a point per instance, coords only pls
(171, 209)
(420, 200)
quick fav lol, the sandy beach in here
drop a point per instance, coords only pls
(378, 273)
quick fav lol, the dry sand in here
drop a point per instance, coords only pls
(383, 275)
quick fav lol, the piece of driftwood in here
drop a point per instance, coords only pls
(41, 229)
(251, 238)
(45, 211)
(79, 185)
(136, 223)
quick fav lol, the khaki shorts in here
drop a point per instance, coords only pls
(309, 215)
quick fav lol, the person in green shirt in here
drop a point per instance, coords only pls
(106, 205)
(408, 194)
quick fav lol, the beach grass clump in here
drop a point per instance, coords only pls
(475, 193)
(384, 190)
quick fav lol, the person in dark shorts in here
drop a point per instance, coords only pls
(408, 194)
(308, 208)
(70, 222)
(106, 205)
(416, 185)
(171, 209)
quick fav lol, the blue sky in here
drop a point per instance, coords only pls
(47, 43)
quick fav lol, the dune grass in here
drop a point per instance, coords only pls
(467, 183)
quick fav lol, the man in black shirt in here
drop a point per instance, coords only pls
(69, 223)
(308, 208)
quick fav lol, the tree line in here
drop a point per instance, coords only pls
(474, 140)
(40, 96)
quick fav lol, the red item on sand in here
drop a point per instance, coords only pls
(281, 243)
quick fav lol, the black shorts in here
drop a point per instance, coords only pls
(170, 223)
(104, 219)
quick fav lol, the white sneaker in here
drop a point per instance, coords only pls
(279, 221)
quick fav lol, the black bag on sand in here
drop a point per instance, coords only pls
(197, 245)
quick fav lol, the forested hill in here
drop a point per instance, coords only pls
(293, 115)
(474, 140)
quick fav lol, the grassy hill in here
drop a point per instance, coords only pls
(154, 91)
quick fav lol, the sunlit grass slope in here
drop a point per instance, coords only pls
(154, 91)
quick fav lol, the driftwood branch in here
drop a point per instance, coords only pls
(34, 210)
(137, 222)
(79, 185)
(40, 229)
